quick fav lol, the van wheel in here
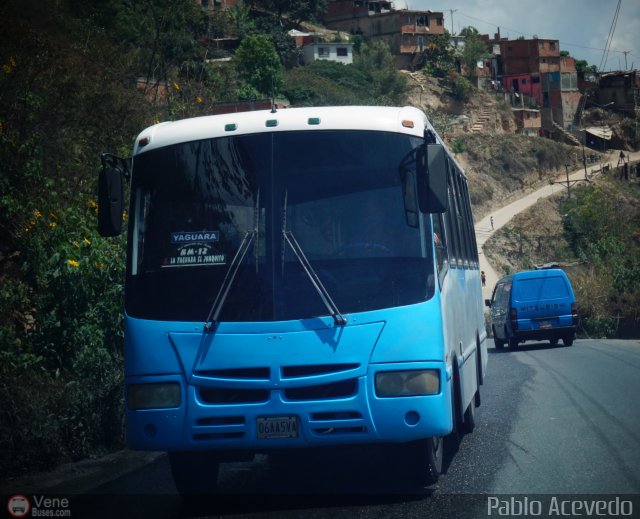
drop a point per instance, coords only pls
(513, 343)
(567, 341)
(499, 343)
(553, 341)
(194, 472)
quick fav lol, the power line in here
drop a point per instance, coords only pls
(564, 43)
(614, 22)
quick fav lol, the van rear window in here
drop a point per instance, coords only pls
(540, 288)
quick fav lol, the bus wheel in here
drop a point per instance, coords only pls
(469, 419)
(426, 458)
(194, 472)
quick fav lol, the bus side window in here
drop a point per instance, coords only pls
(439, 241)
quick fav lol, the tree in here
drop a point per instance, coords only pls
(295, 10)
(439, 55)
(583, 66)
(257, 63)
(376, 62)
(474, 50)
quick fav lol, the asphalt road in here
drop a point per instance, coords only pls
(553, 421)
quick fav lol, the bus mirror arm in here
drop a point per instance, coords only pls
(431, 170)
(111, 194)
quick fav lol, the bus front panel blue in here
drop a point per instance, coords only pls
(262, 386)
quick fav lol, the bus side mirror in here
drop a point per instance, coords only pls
(431, 171)
(110, 200)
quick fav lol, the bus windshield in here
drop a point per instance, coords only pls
(346, 197)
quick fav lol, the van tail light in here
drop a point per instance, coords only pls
(574, 312)
(513, 317)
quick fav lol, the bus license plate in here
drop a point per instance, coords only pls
(270, 427)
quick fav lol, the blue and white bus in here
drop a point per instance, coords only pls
(300, 278)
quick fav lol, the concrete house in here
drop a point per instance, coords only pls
(537, 77)
(621, 90)
(340, 52)
(405, 31)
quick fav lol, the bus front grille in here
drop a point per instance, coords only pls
(219, 395)
(342, 389)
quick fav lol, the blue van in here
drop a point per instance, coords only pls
(533, 305)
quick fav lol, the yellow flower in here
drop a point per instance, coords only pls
(199, 100)
(175, 86)
(12, 62)
(87, 241)
(37, 213)
(75, 244)
(52, 215)
(73, 263)
(6, 68)
(53, 225)
(92, 204)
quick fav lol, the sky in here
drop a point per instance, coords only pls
(582, 26)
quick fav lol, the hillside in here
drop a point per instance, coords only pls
(595, 237)
(500, 165)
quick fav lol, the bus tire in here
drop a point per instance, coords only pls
(428, 455)
(194, 472)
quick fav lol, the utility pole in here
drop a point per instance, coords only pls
(625, 52)
(451, 11)
(568, 183)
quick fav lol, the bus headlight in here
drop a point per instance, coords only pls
(408, 383)
(153, 396)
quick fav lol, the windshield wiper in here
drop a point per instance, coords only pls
(288, 237)
(218, 304)
(230, 276)
(338, 318)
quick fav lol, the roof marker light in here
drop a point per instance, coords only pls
(231, 127)
(407, 124)
(144, 141)
(313, 120)
(271, 123)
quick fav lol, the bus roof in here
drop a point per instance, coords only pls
(409, 120)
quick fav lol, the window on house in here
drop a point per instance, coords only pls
(323, 52)
(524, 81)
(342, 51)
(439, 22)
(552, 45)
(535, 79)
(422, 21)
